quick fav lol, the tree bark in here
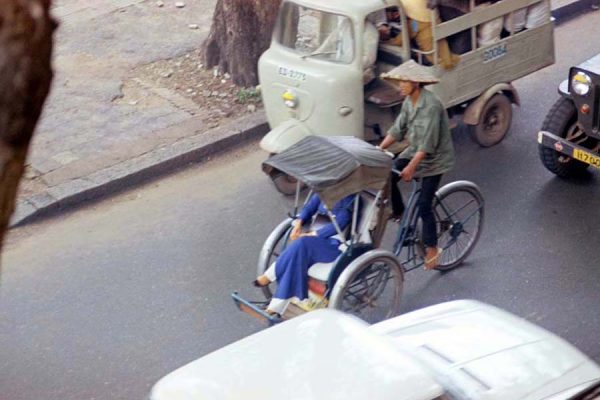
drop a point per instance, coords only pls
(25, 74)
(240, 33)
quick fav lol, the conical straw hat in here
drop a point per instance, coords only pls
(411, 71)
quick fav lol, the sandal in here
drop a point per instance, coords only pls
(273, 313)
(433, 262)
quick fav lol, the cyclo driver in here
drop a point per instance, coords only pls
(424, 123)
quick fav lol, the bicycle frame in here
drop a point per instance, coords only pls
(407, 228)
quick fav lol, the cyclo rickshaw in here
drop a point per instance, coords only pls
(313, 77)
(365, 279)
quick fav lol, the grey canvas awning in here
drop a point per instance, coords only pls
(333, 166)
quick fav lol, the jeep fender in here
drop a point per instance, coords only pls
(284, 135)
(563, 89)
(473, 112)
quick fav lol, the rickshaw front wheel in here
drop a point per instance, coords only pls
(370, 287)
(494, 121)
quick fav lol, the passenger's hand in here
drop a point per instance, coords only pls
(408, 173)
(296, 230)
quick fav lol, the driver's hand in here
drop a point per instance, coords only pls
(408, 173)
(296, 230)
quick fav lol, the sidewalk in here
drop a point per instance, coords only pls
(94, 137)
(104, 128)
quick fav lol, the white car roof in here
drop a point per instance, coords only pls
(323, 354)
(487, 353)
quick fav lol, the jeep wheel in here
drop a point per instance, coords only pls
(561, 120)
(494, 122)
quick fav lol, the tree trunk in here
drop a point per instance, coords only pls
(25, 75)
(240, 33)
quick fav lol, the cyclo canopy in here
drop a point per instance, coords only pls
(333, 166)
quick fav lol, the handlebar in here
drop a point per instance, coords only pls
(389, 153)
(395, 171)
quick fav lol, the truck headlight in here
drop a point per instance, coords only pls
(290, 99)
(581, 83)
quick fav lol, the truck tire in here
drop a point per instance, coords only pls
(284, 183)
(494, 121)
(561, 120)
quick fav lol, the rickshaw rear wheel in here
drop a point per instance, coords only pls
(494, 122)
(561, 120)
(370, 287)
(276, 242)
(459, 214)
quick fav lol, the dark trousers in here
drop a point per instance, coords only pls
(429, 185)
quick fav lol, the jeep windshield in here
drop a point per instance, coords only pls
(316, 34)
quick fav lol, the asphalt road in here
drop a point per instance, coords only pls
(100, 303)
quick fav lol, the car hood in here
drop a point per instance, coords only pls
(323, 354)
(481, 352)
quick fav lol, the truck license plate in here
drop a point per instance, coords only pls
(586, 158)
(494, 53)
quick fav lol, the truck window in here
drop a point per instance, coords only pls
(315, 33)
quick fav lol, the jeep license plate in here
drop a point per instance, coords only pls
(586, 157)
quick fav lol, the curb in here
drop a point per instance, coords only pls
(159, 161)
(574, 9)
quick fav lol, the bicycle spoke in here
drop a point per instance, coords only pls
(475, 212)
(449, 216)
(367, 295)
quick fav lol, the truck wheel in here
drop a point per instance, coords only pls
(285, 184)
(494, 121)
(561, 120)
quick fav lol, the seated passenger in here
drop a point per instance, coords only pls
(388, 25)
(489, 32)
(537, 14)
(526, 18)
(459, 43)
(515, 22)
(419, 28)
(306, 249)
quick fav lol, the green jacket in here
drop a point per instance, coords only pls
(426, 127)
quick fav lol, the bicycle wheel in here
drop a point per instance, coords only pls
(459, 212)
(276, 242)
(370, 287)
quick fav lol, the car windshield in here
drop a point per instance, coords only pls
(314, 33)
